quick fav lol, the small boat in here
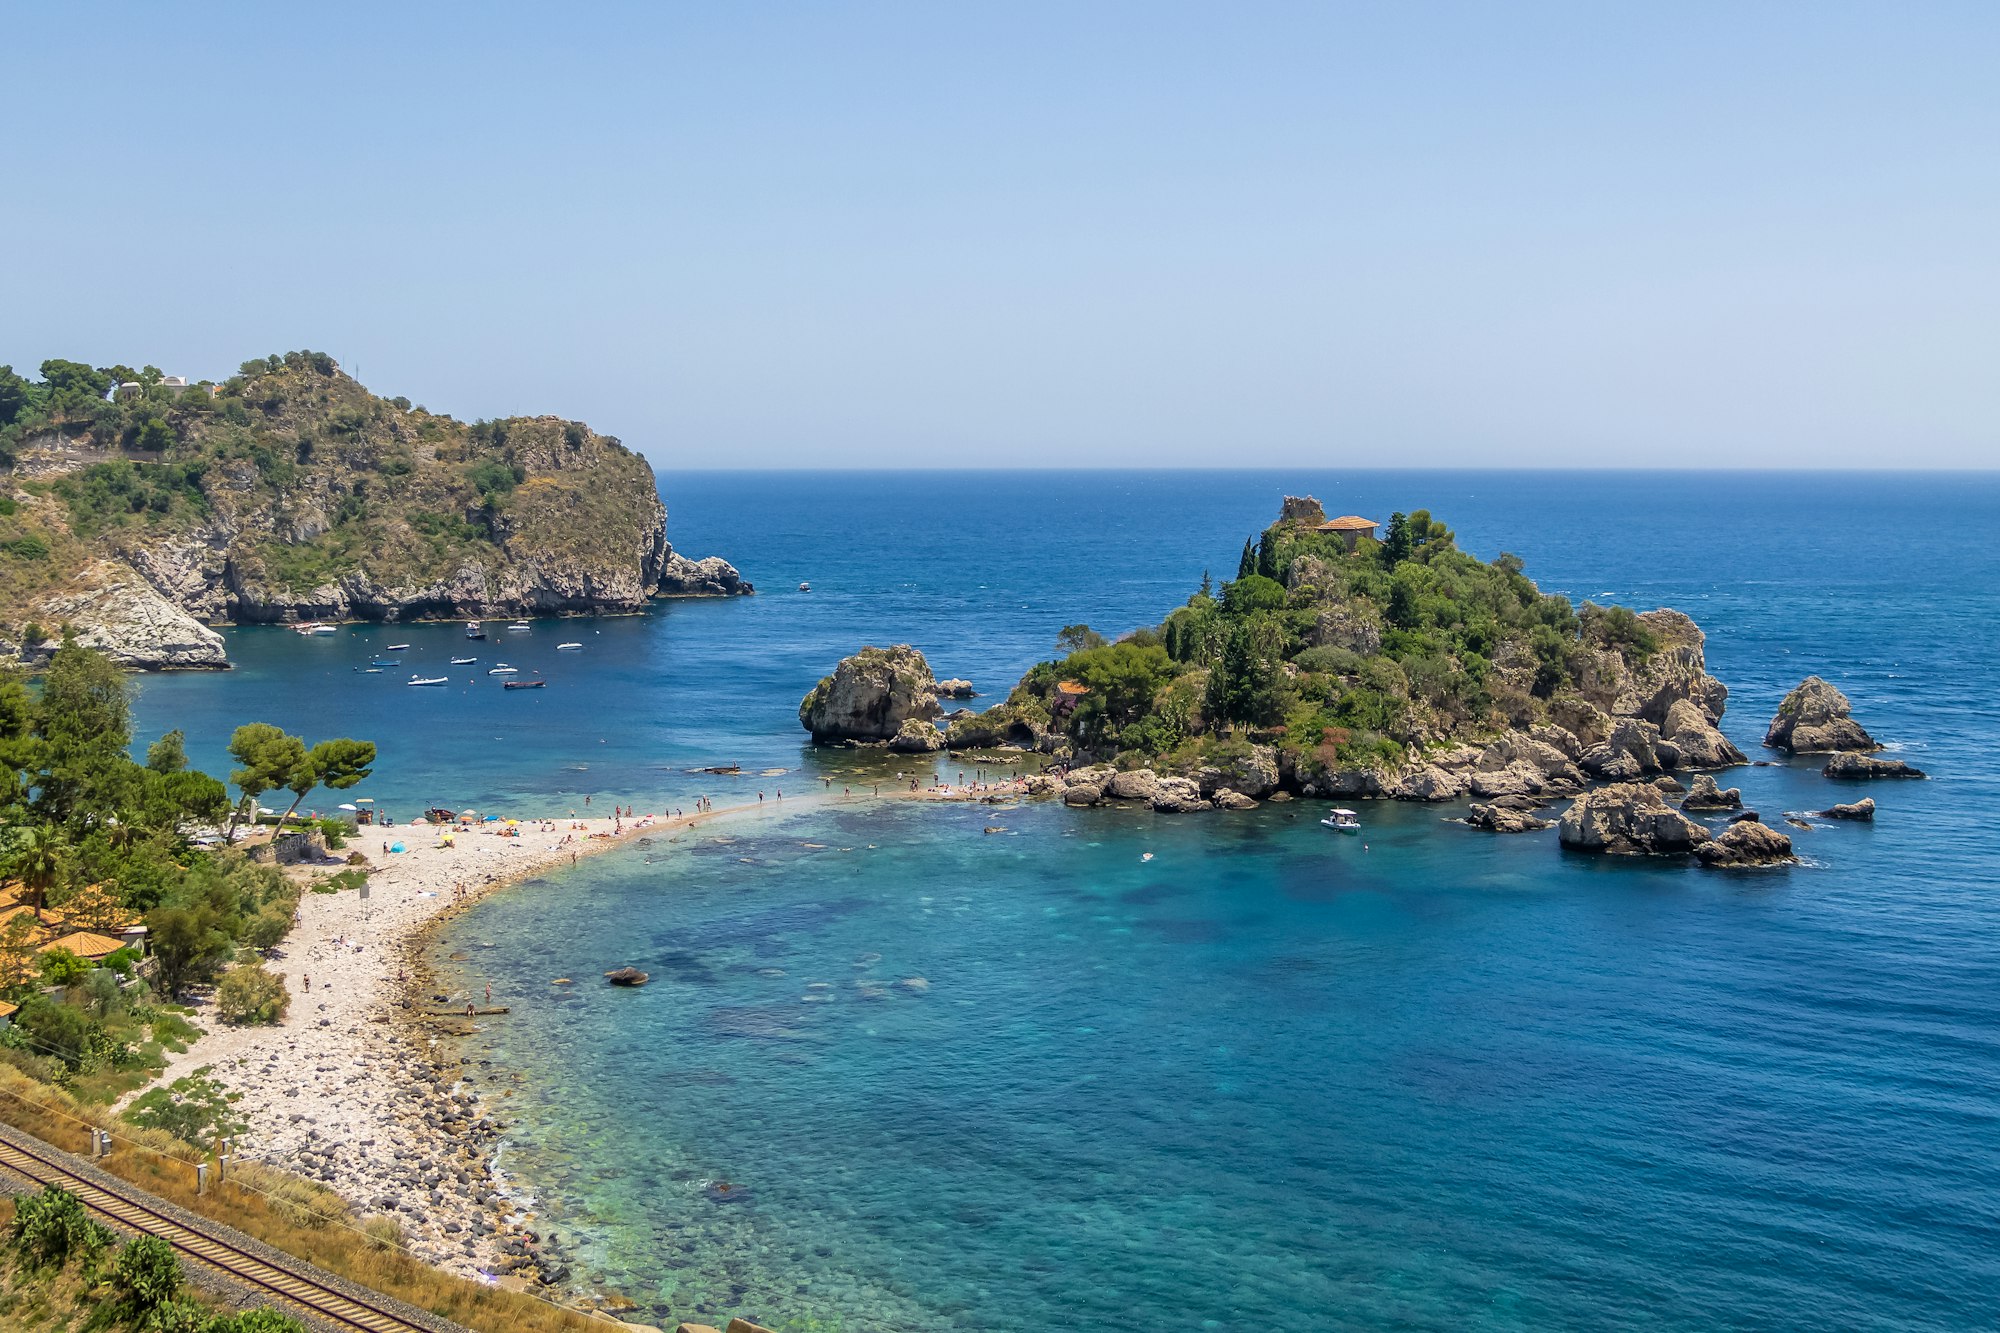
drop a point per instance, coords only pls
(326, 629)
(805, 587)
(463, 661)
(519, 626)
(383, 661)
(397, 648)
(311, 627)
(504, 670)
(1344, 821)
(473, 630)
(522, 684)
(569, 647)
(429, 680)
(369, 671)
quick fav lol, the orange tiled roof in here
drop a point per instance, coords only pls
(1348, 523)
(85, 944)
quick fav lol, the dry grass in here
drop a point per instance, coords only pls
(282, 1210)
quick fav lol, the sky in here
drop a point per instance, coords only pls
(1101, 234)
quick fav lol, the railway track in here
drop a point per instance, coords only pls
(295, 1285)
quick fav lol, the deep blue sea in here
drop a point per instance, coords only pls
(1424, 1079)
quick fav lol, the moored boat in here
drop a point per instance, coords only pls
(522, 684)
(397, 648)
(383, 661)
(1343, 821)
(474, 630)
(519, 626)
(429, 680)
(504, 670)
(463, 661)
(569, 647)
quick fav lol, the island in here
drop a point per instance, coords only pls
(140, 511)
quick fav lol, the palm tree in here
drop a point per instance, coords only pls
(37, 857)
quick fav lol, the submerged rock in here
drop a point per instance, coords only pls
(1814, 718)
(1868, 766)
(626, 976)
(1629, 818)
(1861, 809)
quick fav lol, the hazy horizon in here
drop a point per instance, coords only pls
(889, 236)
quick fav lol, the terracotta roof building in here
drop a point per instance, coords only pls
(1351, 528)
(86, 944)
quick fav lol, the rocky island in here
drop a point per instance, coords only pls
(140, 510)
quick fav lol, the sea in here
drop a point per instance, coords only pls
(958, 1068)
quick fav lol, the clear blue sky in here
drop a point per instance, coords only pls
(1107, 234)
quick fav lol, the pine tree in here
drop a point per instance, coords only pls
(1248, 564)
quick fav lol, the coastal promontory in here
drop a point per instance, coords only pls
(138, 510)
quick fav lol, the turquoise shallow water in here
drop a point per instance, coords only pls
(1425, 1079)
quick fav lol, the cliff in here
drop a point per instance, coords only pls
(290, 492)
(1336, 664)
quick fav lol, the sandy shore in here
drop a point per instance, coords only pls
(354, 1088)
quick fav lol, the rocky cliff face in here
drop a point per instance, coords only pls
(295, 494)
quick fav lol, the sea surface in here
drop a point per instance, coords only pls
(915, 1067)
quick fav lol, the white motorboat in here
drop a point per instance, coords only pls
(1343, 821)
(429, 680)
(519, 626)
(504, 670)
(569, 647)
(397, 648)
(805, 587)
(463, 661)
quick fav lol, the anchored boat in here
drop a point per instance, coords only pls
(504, 670)
(1342, 821)
(463, 661)
(473, 630)
(522, 684)
(429, 680)
(569, 647)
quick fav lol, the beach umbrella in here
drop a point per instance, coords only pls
(345, 806)
(365, 800)
(468, 812)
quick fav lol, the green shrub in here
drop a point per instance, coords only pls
(251, 994)
(26, 548)
(53, 1227)
(148, 1273)
(194, 1109)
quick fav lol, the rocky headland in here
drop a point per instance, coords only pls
(139, 513)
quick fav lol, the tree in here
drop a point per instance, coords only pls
(86, 728)
(1247, 564)
(60, 967)
(1267, 556)
(187, 944)
(252, 994)
(1077, 638)
(194, 1109)
(38, 857)
(74, 389)
(335, 765)
(15, 395)
(17, 949)
(169, 753)
(271, 760)
(148, 1272)
(1397, 545)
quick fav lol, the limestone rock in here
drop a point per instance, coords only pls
(1581, 718)
(1706, 795)
(1747, 843)
(870, 696)
(1501, 819)
(1861, 809)
(917, 737)
(1700, 743)
(1178, 796)
(955, 688)
(1082, 793)
(1044, 784)
(1631, 818)
(1632, 750)
(1517, 779)
(1139, 784)
(1426, 782)
(1675, 670)
(710, 577)
(1851, 765)
(1814, 718)
(1226, 799)
(121, 615)
(626, 976)
(1302, 510)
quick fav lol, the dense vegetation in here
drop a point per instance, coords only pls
(1339, 657)
(313, 477)
(92, 840)
(60, 1270)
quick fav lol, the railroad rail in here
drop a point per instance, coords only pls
(295, 1284)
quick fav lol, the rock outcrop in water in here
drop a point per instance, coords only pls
(1629, 818)
(1705, 794)
(871, 697)
(1745, 843)
(292, 493)
(1863, 809)
(1814, 719)
(1868, 766)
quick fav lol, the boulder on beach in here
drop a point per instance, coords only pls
(1813, 719)
(1748, 843)
(1861, 809)
(626, 976)
(916, 736)
(1868, 766)
(1704, 794)
(1629, 818)
(870, 696)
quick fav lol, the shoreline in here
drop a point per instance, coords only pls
(363, 1088)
